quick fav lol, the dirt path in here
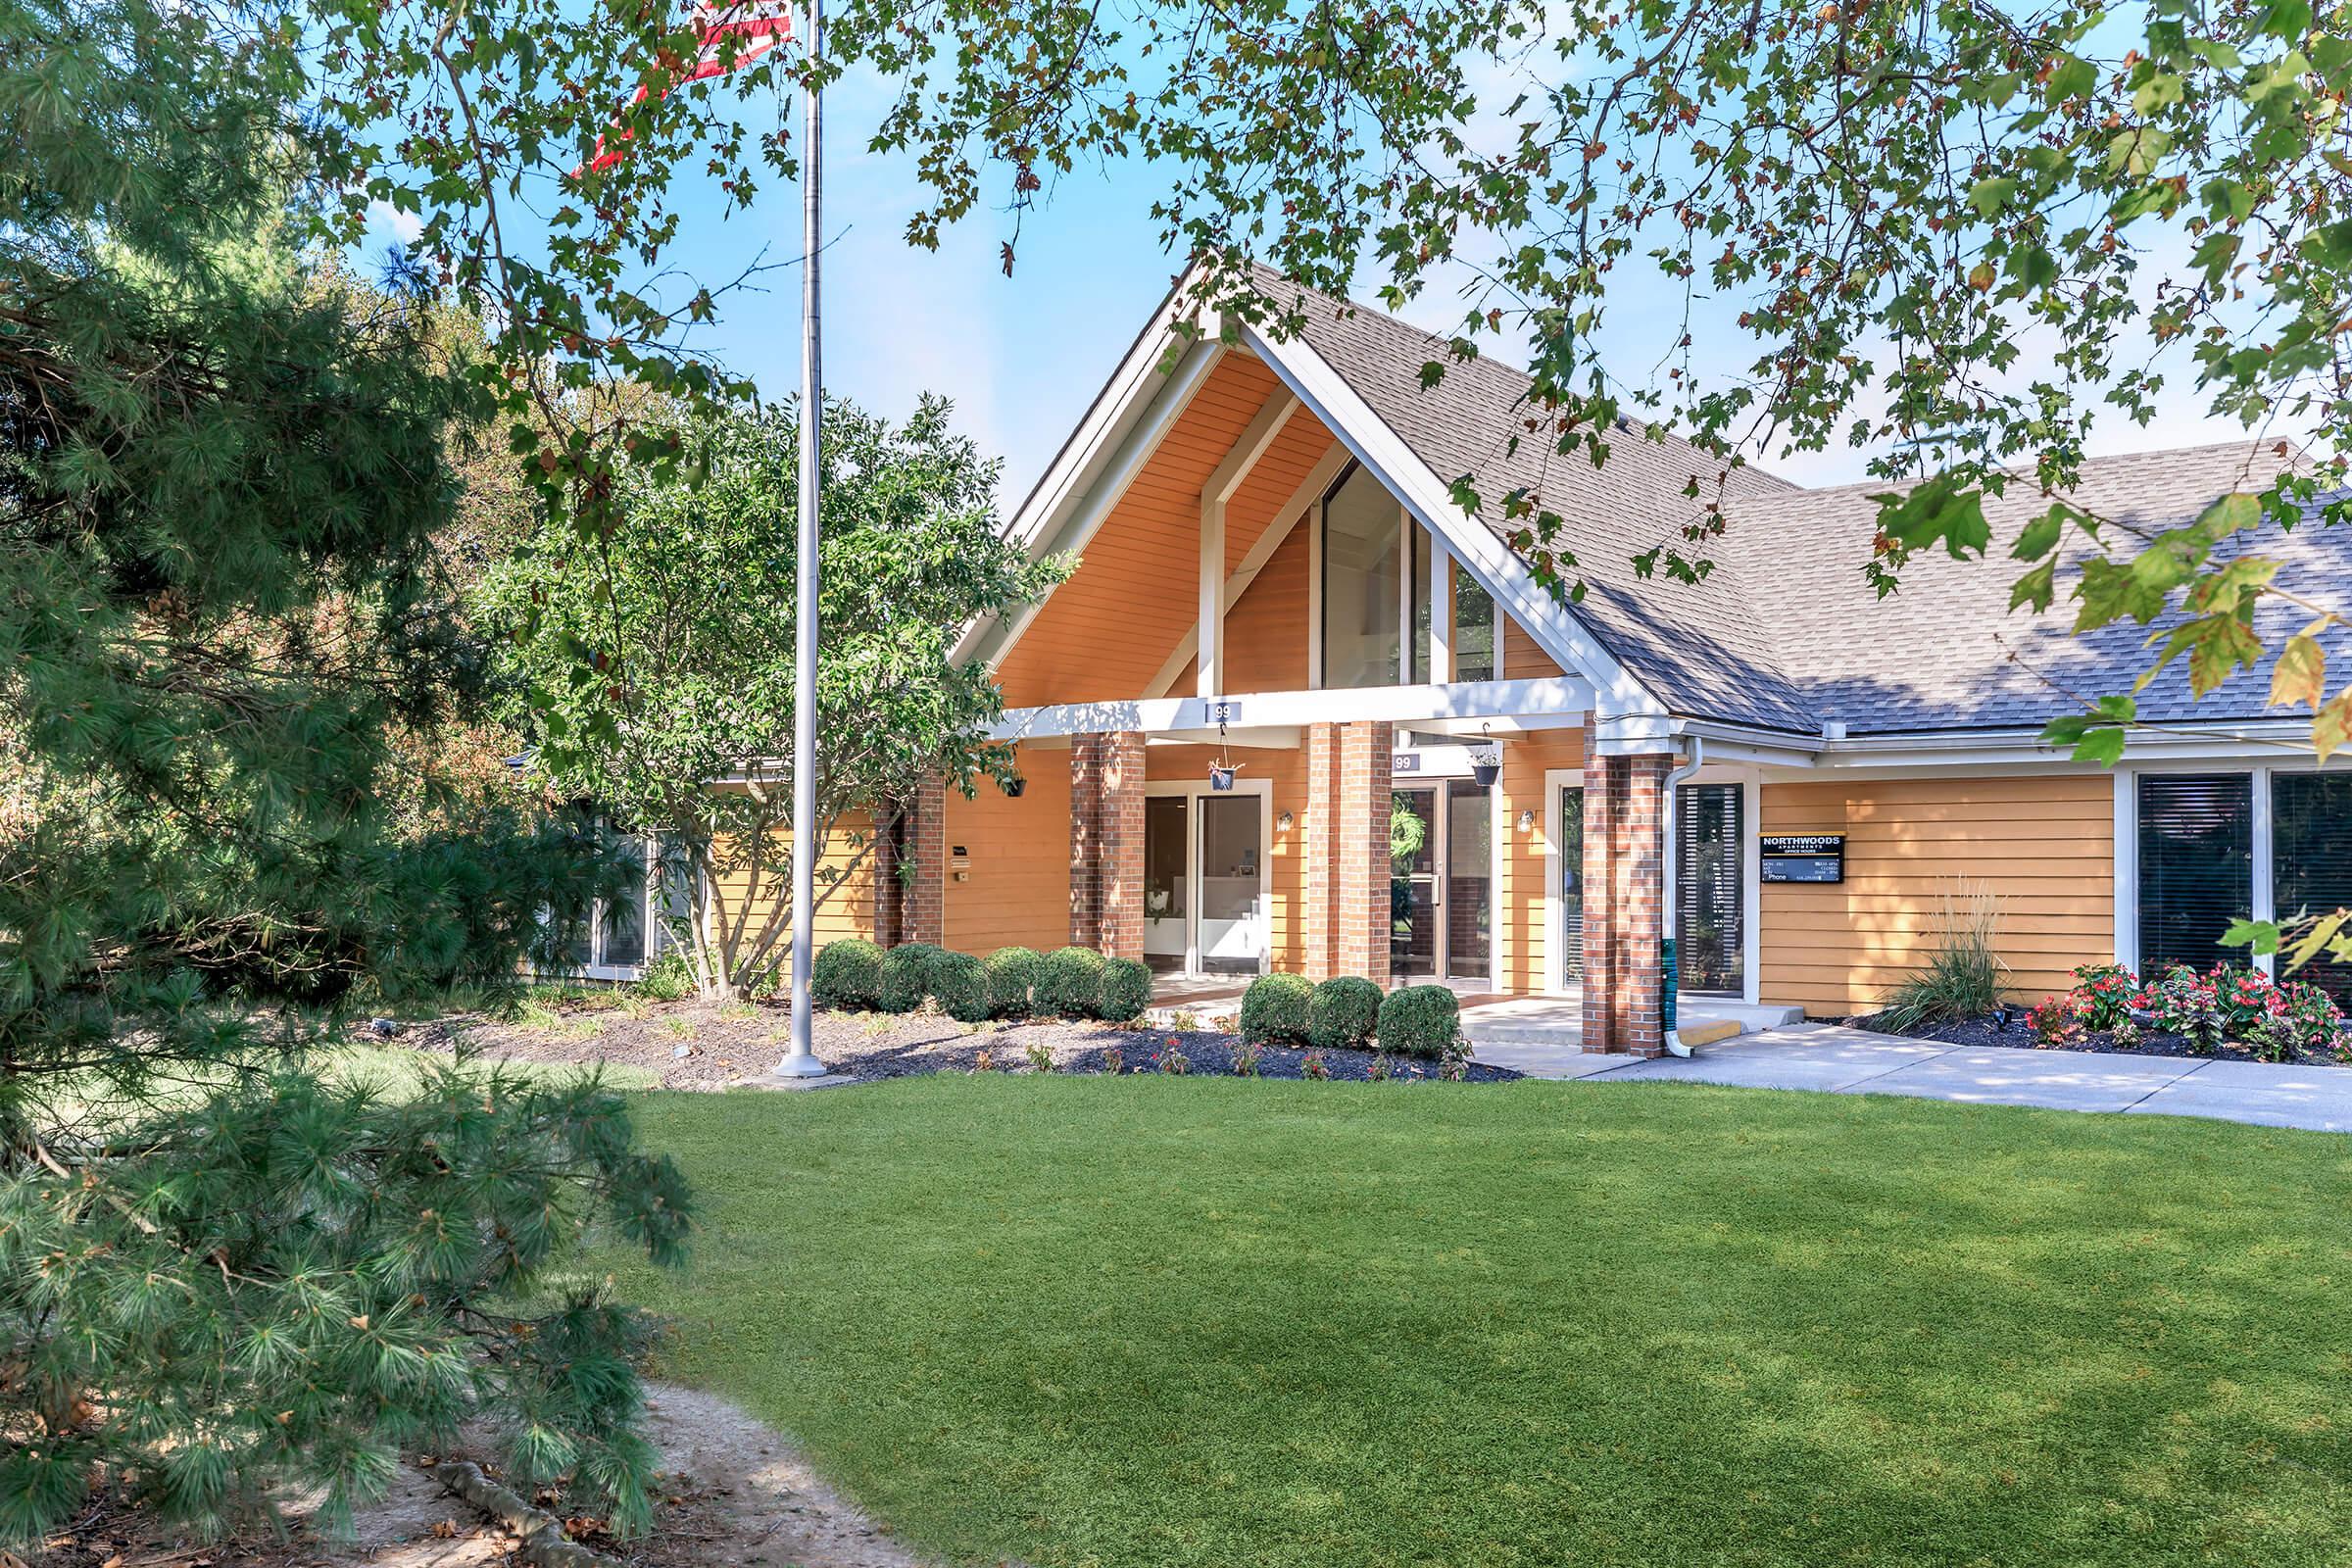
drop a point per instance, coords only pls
(735, 1492)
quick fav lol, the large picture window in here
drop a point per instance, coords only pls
(2196, 866)
(1363, 588)
(2311, 858)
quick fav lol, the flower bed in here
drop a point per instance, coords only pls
(2225, 1012)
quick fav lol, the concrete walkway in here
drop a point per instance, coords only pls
(1837, 1060)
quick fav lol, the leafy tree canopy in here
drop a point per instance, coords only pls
(669, 669)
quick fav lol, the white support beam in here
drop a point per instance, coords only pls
(1554, 698)
(1253, 445)
(1299, 505)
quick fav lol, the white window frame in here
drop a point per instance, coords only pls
(1556, 781)
(1752, 870)
(2263, 903)
(1262, 790)
(657, 928)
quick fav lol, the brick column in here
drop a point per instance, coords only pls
(1318, 918)
(1086, 892)
(910, 868)
(1107, 843)
(1360, 913)
(1624, 913)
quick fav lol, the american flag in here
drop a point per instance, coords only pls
(757, 25)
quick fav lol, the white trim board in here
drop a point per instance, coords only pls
(1062, 516)
(1557, 697)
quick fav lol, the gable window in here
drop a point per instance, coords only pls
(1475, 629)
(1364, 583)
(2196, 866)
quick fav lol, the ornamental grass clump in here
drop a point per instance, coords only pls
(1964, 976)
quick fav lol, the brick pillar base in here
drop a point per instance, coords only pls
(911, 869)
(1107, 843)
(1624, 885)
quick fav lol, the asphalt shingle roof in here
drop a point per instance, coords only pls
(1784, 633)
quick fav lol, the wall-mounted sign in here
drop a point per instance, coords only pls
(1404, 761)
(1803, 857)
(1224, 710)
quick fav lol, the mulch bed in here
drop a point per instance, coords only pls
(695, 1045)
(2151, 1043)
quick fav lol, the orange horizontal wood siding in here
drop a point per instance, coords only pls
(2043, 846)
(1016, 888)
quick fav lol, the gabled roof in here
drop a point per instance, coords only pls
(1784, 633)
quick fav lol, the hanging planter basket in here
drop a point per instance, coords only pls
(1487, 765)
(1220, 778)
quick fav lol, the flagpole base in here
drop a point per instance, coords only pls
(798, 1065)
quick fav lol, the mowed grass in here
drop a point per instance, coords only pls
(1156, 1321)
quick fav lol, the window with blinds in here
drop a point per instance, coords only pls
(1572, 886)
(2311, 860)
(1708, 939)
(2196, 866)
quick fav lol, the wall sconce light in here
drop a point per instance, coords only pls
(1527, 822)
(1282, 822)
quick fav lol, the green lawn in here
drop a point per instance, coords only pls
(1144, 1321)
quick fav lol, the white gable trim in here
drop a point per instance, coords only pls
(1134, 413)
(1486, 558)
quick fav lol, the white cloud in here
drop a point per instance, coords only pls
(384, 218)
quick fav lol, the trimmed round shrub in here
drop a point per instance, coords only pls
(905, 976)
(1069, 984)
(1343, 1012)
(1275, 1008)
(1011, 971)
(1126, 990)
(846, 973)
(1419, 1021)
(959, 982)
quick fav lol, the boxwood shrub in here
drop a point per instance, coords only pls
(1275, 1008)
(959, 983)
(1069, 984)
(1011, 971)
(1126, 990)
(846, 973)
(1419, 1021)
(907, 976)
(1343, 1012)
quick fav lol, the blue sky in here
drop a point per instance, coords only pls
(1022, 356)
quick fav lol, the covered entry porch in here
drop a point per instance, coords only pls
(1446, 833)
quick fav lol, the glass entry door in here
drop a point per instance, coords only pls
(1205, 901)
(1568, 925)
(1710, 941)
(1442, 882)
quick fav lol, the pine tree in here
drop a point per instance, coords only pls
(221, 474)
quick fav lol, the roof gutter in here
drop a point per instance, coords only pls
(1670, 920)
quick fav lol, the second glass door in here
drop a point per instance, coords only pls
(1441, 881)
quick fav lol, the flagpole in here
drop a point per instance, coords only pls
(802, 1060)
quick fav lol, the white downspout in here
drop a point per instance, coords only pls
(1670, 921)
